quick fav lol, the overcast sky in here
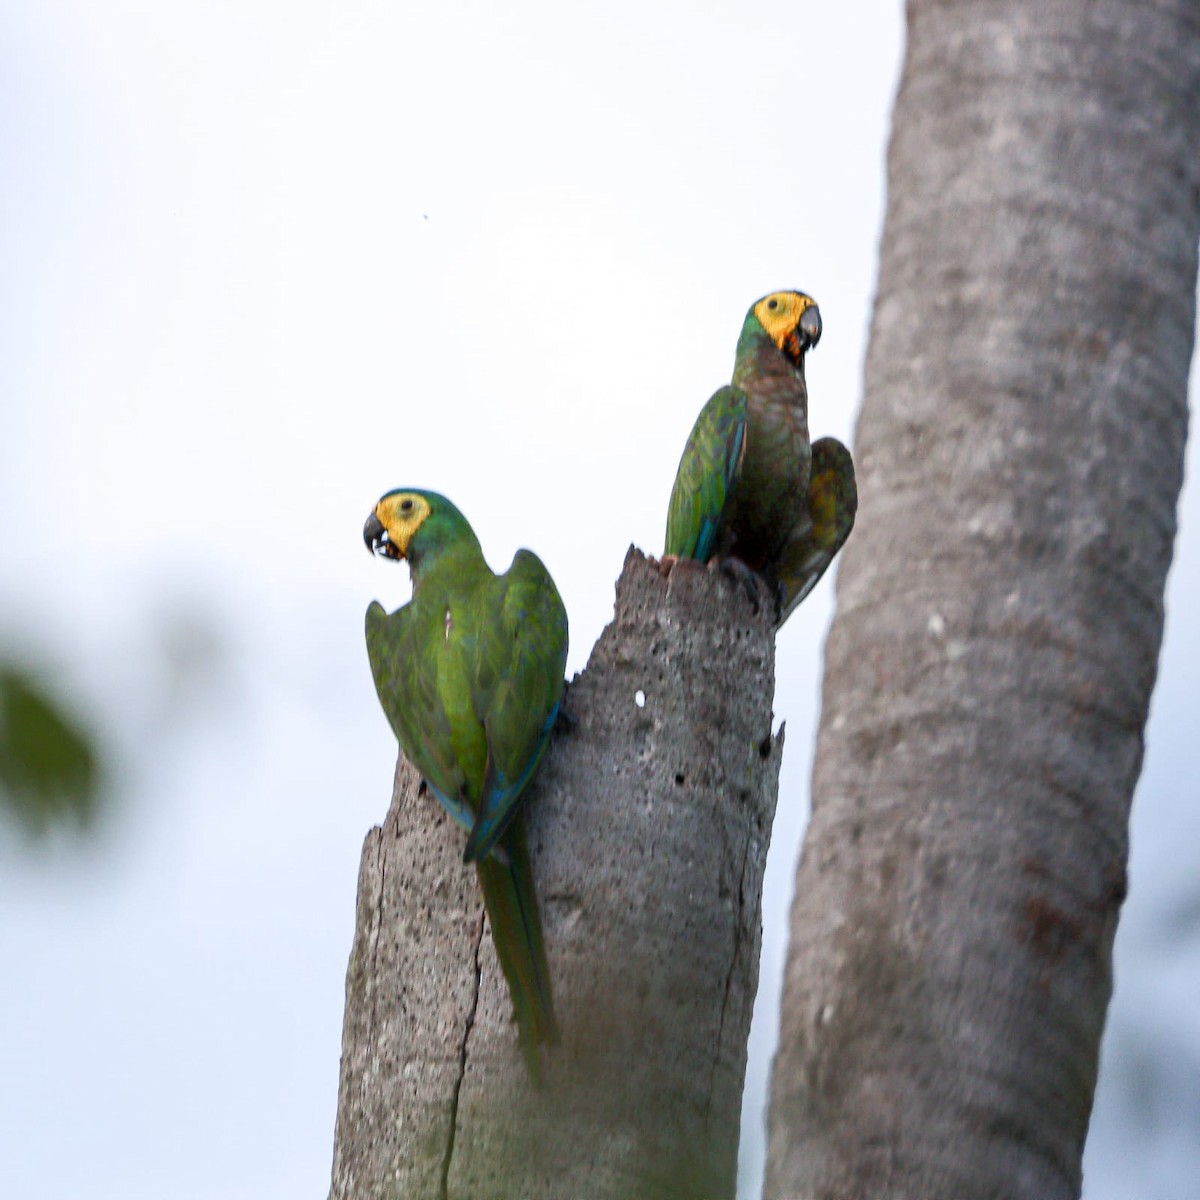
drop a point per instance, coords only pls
(260, 263)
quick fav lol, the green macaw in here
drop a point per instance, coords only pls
(750, 490)
(470, 675)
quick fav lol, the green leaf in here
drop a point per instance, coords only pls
(48, 770)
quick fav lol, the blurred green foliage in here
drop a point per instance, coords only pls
(48, 769)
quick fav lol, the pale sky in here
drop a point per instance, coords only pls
(260, 263)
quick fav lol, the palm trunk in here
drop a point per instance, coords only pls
(999, 606)
(648, 825)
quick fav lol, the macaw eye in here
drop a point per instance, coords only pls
(772, 303)
(405, 505)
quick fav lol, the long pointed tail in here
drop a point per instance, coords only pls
(512, 909)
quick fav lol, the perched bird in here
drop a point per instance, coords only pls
(750, 491)
(470, 675)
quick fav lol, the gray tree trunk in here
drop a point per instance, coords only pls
(999, 606)
(648, 824)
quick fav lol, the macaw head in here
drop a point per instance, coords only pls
(411, 524)
(791, 320)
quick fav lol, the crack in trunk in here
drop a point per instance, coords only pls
(381, 858)
(468, 1025)
(729, 975)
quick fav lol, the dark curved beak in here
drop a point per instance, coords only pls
(375, 535)
(810, 326)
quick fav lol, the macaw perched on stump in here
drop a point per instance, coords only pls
(751, 492)
(470, 675)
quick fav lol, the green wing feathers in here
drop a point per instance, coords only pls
(517, 683)
(406, 671)
(707, 471)
(832, 504)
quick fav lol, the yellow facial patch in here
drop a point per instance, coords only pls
(780, 313)
(402, 514)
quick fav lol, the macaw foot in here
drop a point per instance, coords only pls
(752, 584)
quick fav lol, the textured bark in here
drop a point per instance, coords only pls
(999, 606)
(648, 825)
